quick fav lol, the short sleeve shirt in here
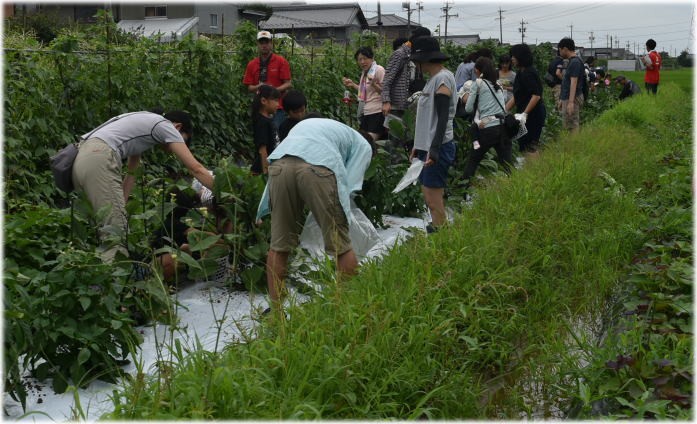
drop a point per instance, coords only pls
(575, 69)
(652, 76)
(265, 135)
(426, 114)
(331, 144)
(526, 84)
(133, 133)
(278, 70)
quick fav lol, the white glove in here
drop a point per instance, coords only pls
(521, 117)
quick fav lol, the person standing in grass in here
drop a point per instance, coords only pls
(653, 67)
(527, 97)
(318, 166)
(571, 94)
(433, 133)
(489, 98)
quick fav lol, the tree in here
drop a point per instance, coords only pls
(685, 59)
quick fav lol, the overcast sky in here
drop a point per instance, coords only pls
(670, 23)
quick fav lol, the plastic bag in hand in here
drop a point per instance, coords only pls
(410, 176)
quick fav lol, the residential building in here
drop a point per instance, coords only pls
(464, 40)
(314, 24)
(392, 27)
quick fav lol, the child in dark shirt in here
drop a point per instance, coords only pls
(295, 105)
(266, 138)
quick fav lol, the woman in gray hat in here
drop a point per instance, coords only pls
(433, 135)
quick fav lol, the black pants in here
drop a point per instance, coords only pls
(651, 88)
(490, 137)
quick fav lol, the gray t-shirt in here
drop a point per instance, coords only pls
(426, 116)
(133, 133)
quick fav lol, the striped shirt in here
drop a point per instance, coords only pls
(395, 85)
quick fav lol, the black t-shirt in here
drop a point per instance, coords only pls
(527, 83)
(285, 128)
(555, 64)
(265, 134)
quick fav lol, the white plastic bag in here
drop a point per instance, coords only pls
(363, 234)
(410, 176)
(522, 130)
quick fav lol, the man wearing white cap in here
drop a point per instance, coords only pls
(270, 69)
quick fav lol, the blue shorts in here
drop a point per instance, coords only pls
(436, 175)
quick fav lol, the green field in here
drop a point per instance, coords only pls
(681, 77)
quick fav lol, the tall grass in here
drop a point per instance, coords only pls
(469, 323)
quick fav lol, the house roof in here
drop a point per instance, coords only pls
(315, 16)
(166, 27)
(464, 40)
(391, 20)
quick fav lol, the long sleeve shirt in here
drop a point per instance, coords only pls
(395, 85)
(490, 101)
(331, 144)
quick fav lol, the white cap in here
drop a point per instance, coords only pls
(264, 34)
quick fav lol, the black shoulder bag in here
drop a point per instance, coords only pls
(510, 124)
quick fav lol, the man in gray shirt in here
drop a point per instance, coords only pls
(97, 167)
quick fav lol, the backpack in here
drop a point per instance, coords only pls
(550, 77)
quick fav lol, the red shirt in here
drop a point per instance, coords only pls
(652, 75)
(277, 72)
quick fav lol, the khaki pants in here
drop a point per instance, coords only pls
(571, 119)
(294, 184)
(97, 172)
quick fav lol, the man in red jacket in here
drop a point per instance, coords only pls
(270, 69)
(653, 66)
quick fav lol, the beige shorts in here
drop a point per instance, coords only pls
(295, 184)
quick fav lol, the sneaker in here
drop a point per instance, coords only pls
(430, 229)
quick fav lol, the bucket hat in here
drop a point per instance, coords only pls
(426, 49)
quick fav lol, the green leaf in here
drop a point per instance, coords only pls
(85, 302)
(84, 355)
(116, 324)
(201, 244)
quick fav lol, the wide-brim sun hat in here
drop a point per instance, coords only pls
(427, 49)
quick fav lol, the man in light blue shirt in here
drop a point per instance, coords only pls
(318, 165)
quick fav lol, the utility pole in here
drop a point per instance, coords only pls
(572, 31)
(611, 47)
(407, 5)
(419, 8)
(446, 10)
(591, 39)
(521, 30)
(500, 18)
